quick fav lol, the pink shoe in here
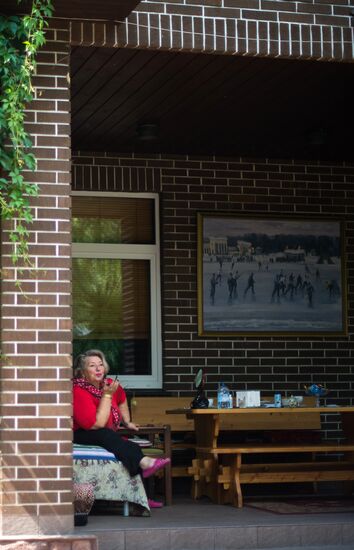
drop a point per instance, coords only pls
(154, 503)
(157, 465)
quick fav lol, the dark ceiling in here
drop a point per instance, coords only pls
(205, 104)
(84, 9)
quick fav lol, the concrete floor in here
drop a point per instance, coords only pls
(202, 525)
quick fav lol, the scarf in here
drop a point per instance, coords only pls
(98, 392)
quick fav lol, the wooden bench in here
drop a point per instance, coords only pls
(232, 472)
(151, 411)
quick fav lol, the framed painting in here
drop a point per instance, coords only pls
(270, 276)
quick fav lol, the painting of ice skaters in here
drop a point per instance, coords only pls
(269, 276)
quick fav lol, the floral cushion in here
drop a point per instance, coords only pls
(109, 478)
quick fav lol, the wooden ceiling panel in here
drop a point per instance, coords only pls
(229, 91)
(191, 92)
(96, 81)
(140, 104)
(209, 104)
(176, 84)
(236, 101)
(114, 92)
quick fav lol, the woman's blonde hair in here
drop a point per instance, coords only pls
(80, 362)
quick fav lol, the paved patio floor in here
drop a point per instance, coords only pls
(202, 525)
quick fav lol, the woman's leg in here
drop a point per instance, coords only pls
(127, 452)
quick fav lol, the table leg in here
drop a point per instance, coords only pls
(206, 430)
(348, 425)
(348, 429)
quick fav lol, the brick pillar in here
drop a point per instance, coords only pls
(36, 486)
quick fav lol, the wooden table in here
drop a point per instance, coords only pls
(218, 465)
(207, 421)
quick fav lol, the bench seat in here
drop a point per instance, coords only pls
(228, 470)
(284, 448)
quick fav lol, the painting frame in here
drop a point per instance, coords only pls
(285, 250)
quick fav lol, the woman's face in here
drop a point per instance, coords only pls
(94, 370)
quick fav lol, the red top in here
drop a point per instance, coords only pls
(86, 405)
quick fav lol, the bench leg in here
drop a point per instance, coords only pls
(238, 501)
(225, 481)
(314, 484)
(209, 477)
(194, 470)
(168, 485)
(204, 482)
(349, 485)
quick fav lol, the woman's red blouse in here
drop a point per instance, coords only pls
(86, 405)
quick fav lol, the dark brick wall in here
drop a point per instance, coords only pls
(189, 184)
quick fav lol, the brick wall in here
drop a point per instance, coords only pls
(36, 324)
(187, 185)
(318, 30)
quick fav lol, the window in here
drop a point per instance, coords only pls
(116, 283)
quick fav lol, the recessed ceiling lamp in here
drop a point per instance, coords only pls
(147, 131)
(317, 137)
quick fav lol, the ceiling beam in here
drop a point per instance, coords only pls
(115, 10)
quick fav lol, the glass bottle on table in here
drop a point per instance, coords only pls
(224, 397)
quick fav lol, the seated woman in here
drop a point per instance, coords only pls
(100, 407)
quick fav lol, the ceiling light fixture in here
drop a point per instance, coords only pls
(147, 131)
(317, 137)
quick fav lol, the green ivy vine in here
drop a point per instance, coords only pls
(20, 39)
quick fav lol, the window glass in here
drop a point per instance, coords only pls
(111, 311)
(116, 283)
(113, 220)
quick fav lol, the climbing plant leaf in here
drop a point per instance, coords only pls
(21, 36)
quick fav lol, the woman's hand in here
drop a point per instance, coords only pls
(131, 426)
(124, 410)
(110, 388)
(104, 407)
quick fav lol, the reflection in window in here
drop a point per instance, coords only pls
(113, 220)
(111, 311)
(116, 283)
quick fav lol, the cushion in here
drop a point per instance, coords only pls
(92, 452)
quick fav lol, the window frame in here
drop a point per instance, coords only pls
(149, 252)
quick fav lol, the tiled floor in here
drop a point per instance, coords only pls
(201, 525)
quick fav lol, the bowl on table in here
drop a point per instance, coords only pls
(316, 390)
(292, 401)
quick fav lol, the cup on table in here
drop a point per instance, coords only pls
(210, 402)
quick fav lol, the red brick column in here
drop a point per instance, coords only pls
(36, 486)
